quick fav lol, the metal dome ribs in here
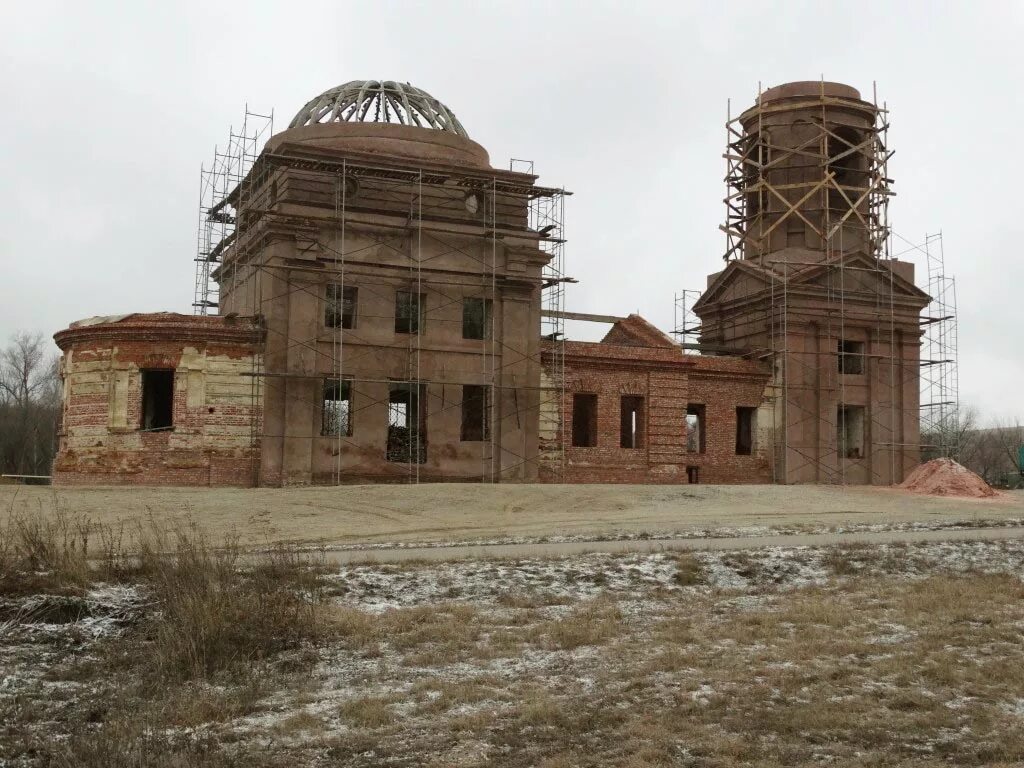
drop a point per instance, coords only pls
(377, 101)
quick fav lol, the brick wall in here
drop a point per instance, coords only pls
(667, 380)
(215, 405)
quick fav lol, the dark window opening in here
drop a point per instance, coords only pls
(409, 311)
(476, 318)
(847, 165)
(693, 475)
(340, 306)
(632, 422)
(851, 356)
(756, 155)
(157, 400)
(695, 427)
(744, 430)
(584, 421)
(337, 408)
(476, 406)
(407, 423)
(850, 428)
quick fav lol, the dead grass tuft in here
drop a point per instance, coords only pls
(369, 711)
(44, 553)
(690, 572)
(592, 623)
(215, 616)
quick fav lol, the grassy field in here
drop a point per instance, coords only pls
(354, 515)
(891, 655)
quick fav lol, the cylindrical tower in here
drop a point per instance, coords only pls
(806, 175)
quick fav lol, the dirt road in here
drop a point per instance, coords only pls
(718, 543)
(378, 514)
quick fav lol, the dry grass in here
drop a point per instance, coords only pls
(592, 623)
(203, 647)
(44, 554)
(885, 660)
(690, 571)
(216, 616)
(369, 711)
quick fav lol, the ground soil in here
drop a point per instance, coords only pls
(380, 514)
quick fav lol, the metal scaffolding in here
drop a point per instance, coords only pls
(404, 256)
(686, 324)
(940, 378)
(216, 218)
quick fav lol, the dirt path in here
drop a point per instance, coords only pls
(564, 549)
(445, 513)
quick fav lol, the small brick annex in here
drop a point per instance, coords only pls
(183, 374)
(637, 387)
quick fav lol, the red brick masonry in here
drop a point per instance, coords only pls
(211, 440)
(644, 362)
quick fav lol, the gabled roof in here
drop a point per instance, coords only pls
(760, 277)
(634, 331)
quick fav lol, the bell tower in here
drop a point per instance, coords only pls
(807, 175)
(810, 287)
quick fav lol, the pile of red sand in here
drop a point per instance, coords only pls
(944, 477)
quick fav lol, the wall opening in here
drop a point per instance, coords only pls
(409, 311)
(476, 406)
(851, 356)
(693, 475)
(476, 318)
(745, 430)
(848, 169)
(157, 399)
(756, 200)
(337, 408)
(340, 306)
(850, 426)
(407, 423)
(584, 420)
(695, 413)
(631, 423)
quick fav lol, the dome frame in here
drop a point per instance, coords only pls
(379, 101)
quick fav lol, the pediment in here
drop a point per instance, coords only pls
(854, 275)
(857, 274)
(737, 281)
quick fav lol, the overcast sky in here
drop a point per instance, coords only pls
(109, 109)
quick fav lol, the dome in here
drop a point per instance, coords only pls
(379, 101)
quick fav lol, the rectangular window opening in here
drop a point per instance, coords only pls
(744, 430)
(584, 420)
(409, 311)
(157, 399)
(693, 475)
(407, 424)
(851, 356)
(476, 318)
(850, 428)
(632, 421)
(340, 306)
(337, 408)
(695, 427)
(476, 406)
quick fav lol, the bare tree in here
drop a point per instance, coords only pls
(29, 405)
(991, 451)
(1008, 436)
(951, 436)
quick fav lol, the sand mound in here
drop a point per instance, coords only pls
(944, 477)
